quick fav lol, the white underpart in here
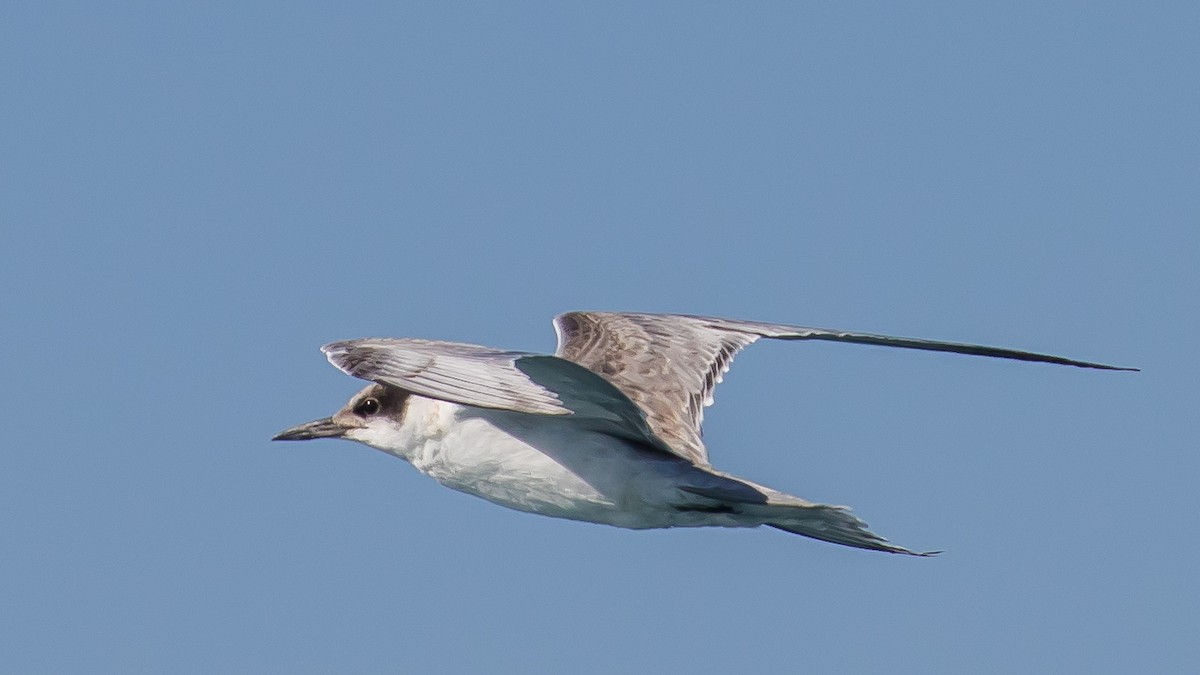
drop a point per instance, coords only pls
(552, 468)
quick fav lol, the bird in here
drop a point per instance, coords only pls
(606, 430)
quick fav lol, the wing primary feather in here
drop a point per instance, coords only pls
(450, 371)
(939, 346)
(670, 364)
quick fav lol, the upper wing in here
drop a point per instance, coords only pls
(450, 371)
(490, 378)
(669, 364)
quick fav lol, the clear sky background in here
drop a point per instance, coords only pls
(196, 196)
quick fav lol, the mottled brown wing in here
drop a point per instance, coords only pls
(669, 364)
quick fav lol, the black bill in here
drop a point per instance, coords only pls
(322, 428)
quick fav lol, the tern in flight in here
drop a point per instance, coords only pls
(607, 430)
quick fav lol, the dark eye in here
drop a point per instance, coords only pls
(367, 407)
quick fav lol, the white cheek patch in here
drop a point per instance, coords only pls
(381, 434)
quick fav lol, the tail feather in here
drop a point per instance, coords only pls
(785, 512)
(837, 525)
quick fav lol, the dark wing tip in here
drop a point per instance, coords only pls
(1098, 366)
(335, 351)
(353, 358)
(338, 347)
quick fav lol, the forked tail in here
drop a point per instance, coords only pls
(792, 514)
(834, 524)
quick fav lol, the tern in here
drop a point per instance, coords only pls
(607, 430)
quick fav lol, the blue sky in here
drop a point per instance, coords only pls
(197, 196)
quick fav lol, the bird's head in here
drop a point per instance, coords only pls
(373, 417)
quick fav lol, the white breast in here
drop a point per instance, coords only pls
(542, 464)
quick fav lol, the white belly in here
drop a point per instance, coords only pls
(542, 464)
